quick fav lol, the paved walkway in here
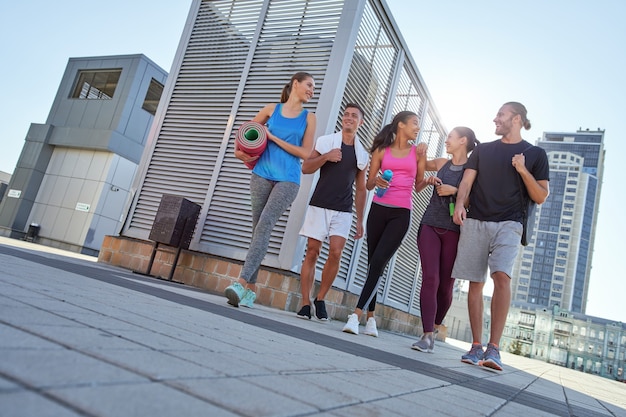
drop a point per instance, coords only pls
(78, 338)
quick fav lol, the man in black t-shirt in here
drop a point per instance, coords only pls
(500, 176)
(342, 162)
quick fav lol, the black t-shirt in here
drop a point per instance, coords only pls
(334, 187)
(495, 194)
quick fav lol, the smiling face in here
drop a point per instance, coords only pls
(410, 128)
(454, 141)
(505, 120)
(304, 89)
(352, 119)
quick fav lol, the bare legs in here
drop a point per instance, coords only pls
(475, 309)
(500, 302)
(331, 267)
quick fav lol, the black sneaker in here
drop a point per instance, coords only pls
(305, 312)
(320, 310)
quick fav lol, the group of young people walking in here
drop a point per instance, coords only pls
(473, 222)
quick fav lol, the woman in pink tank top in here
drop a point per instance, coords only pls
(390, 214)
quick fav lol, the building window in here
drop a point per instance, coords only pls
(151, 102)
(96, 84)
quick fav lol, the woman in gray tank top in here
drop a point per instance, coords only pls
(438, 235)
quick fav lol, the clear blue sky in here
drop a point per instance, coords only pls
(565, 60)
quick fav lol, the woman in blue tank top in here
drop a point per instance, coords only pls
(438, 235)
(275, 179)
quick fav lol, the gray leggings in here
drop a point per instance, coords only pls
(269, 201)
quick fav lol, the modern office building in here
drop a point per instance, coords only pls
(235, 56)
(72, 182)
(554, 269)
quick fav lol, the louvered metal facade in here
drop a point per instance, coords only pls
(234, 57)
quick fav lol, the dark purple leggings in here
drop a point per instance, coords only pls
(437, 254)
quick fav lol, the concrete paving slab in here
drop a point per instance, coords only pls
(86, 339)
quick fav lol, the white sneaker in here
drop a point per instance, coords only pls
(370, 327)
(352, 326)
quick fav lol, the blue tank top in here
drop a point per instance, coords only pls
(276, 164)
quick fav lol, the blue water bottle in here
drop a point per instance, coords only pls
(387, 177)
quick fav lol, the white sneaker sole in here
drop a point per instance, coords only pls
(349, 330)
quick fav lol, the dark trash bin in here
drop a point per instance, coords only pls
(33, 232)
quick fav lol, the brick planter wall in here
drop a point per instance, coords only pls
(275, 288)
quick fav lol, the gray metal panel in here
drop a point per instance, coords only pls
(234, 57)
(400, 281)
(27, 177)
(369, 83)
(292, 38)
(221, 83)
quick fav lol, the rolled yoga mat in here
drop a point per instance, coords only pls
(252, 139)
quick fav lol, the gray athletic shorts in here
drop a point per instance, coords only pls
(483, 245)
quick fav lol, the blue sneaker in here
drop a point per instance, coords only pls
(234, 293)
(491, 358)
(248, 299)
(474, 356)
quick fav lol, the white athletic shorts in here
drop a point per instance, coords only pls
(321, 223)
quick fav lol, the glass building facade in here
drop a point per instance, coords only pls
(554, 269)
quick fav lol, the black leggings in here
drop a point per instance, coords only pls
(386, 227)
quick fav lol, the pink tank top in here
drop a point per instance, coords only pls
(400, 191)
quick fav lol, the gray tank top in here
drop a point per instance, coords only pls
(437, 213)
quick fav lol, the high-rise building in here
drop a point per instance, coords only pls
(554, 268)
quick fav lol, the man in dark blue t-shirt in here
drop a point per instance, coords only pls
(501, 175)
